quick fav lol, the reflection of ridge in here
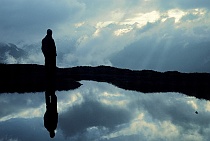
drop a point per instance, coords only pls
(147, 81)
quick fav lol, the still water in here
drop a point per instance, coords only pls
(101, 112)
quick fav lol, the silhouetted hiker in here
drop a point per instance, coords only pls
(49, 51)
(51, 114)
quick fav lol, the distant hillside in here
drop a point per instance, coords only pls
(10, 50)
(29, 78)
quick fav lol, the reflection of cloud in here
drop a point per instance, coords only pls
(21, 106)
(146, 130)
(164, 117)
(69, 100)
(100, 111)
(19, 129)
(193, 104)
(177, 111)
(207, 107)
(26, 113)
(91, 114)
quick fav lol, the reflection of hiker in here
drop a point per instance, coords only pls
(51, 114)
(49, 51)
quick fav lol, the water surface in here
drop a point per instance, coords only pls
(101, 111)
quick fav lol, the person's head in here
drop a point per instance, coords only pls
(49, 32)
(52, 134)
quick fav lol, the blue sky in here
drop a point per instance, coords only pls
(140, 34)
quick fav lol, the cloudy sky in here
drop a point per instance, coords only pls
(160, 35)
(139, 34)
(102, 112)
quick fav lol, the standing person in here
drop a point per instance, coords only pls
(49, 51)
(51, 114)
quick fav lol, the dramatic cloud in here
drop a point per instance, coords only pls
(187, 4)
(136, 34)
(163, 50)
(161, 35)
(27, 20)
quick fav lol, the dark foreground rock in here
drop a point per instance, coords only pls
(31, 78)
(147, 81)
(23, 78)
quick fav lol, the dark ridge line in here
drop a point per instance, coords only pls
(31, 78)
(22, 78)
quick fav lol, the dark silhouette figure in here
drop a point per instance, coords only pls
(49, 51)
(51, 114)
